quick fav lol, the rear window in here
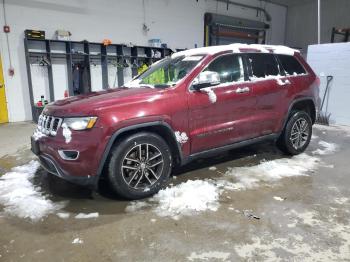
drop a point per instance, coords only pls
(263, 65)
(291, 65)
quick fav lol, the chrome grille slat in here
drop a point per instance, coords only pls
(49, 124)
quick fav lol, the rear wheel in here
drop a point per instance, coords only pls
(297, 133)
(140, 165)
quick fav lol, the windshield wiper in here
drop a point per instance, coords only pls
(161, 86)
(149, 86)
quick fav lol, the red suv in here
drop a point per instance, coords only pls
(195, 103)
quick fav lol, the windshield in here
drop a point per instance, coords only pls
(166, 72)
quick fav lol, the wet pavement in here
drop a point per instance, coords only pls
(296, 218)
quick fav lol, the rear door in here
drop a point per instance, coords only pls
(221, 114)
(271, 90)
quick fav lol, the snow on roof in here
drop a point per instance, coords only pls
(238, 48)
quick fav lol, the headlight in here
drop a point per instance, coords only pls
(80, 123)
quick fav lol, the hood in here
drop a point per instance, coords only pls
(89, 104)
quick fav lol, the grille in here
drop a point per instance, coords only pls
(49, 124)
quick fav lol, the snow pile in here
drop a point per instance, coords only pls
(136, 206)
(269, 171)
(63, 215)
(77, 241)
(66, 133)
(84, 216)
(186, 198)
(277, 198)
(182, 138)
(328, 148)
(21, 198)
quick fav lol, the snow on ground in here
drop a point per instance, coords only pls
(327, 148)
(277, 198)
(63, 215)
(197, 195)
(269, 171)
(84, 216)
(77, 241)
(21, 198)
(209, 256)
(186, 198)
(300, 247)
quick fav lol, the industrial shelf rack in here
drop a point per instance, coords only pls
(90, 53)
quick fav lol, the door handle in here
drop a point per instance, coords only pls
(242, 90)
(1, 85)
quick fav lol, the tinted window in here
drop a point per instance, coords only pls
(229, 67)
(291, 65)
(263, 65)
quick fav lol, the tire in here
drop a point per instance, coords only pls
(136, 174)
(292, 141)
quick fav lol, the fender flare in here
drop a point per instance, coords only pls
(119, 132)
(297, 101)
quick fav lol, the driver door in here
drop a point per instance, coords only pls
(222, 114)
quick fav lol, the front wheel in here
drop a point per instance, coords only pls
(140, 165)
(297, 133)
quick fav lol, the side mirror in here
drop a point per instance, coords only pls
(206, 79)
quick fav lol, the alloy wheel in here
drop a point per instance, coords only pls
(142, 166)
(300, 133)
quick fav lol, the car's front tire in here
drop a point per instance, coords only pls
(297, 133)
(140, 165)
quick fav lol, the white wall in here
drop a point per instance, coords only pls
(333, 59)
(176, 22)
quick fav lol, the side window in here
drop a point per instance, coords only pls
(291, 65)
(263, 65)
(229, 67)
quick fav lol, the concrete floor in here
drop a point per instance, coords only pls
(307, 221)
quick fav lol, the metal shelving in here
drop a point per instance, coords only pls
(90, 53)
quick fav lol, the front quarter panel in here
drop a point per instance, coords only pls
(168, 105)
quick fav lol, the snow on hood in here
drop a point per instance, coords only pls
(21, 198)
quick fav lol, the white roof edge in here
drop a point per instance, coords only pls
(211, 50)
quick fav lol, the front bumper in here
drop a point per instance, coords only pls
(52, 167)
(82, 171)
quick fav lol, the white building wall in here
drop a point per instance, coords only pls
(179, 23)
(333, 59)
